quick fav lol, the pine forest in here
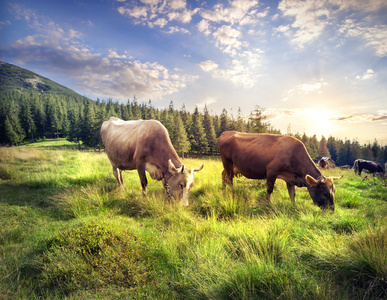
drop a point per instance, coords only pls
(32, 116)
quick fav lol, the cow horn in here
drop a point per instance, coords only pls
(337, 178)
(323, 179)
(198, 169)
(182, 169)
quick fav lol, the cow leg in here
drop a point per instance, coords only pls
(144, 181)
(118, 175)
(227, 179)
(291, 191)
(269, 187)
(228, 173)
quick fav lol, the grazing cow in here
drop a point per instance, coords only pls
(260, 156)
(345, 167)
(326, 162)
(367, 166)
(146, 146)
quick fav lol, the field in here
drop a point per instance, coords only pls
(68, 231)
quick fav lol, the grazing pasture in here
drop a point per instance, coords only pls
(68, 231)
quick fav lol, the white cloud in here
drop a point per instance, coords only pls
(206, 102)
(375, 36)
(237, 73)
(310, 19)
(208, 66)
(226, 35)
(235, 13)
(174, 29)
(136, 12)
(146, 11)
(114, 54)
(305, 88)
(204, 26)
(103, 75)
(367, 75)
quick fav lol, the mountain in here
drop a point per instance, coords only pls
(16, 78)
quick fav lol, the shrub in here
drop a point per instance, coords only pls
(93, 256)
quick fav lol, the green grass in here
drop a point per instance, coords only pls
(67, 231)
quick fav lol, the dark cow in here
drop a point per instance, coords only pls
(326, 163)
(268, 156)
(367, 166)
(146, 146)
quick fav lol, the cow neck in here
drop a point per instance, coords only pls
(168, 153)
(311, 170)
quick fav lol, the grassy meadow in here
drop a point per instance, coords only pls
(67, 231)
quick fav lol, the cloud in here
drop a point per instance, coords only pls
(314, 17)
(310, 19)
(174, 29)
(305, 88)
(360, 118)
(204, 26)
(206, 102)
(238, 12)
(367, 75)
(237, 73)
(226, 35)
(157, 13)
(107, 74)
(375, 36)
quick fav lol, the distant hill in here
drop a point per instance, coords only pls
(16, 78)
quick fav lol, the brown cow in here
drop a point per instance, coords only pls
(146, 146)
(260, 156)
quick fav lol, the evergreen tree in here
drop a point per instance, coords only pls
(240, 124)
(323, 150)
(11, 137)
(136, 109)
(224, 121)
(127, 114)
(258, 125)
(313, 146)
(27, 120)
(181, 144)
(209, 131)
(199, 141)
(332, 146)
(89, 127)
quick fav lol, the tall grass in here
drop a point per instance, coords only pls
(68, 231)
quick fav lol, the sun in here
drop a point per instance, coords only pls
(319, 121)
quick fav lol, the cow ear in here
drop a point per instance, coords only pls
(171, 168)
(310, 180)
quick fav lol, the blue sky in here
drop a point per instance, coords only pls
(318, 67)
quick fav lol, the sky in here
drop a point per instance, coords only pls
(314, 66)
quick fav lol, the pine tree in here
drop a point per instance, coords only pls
(240, 124)
(224, 121)
(198, 141)
(323, 150)
(27, 120)
(258, 125)
(209, 131)
(181, 144)
(89, 125)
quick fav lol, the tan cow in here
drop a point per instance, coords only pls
(268, 156)
(145, 145)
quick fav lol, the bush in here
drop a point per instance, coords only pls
(93, 256)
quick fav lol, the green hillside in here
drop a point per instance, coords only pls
(16, 78)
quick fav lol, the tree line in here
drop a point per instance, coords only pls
(33, 116)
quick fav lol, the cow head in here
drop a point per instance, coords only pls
(322, 191)
(178, 185)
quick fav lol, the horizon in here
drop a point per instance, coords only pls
(316, 67)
